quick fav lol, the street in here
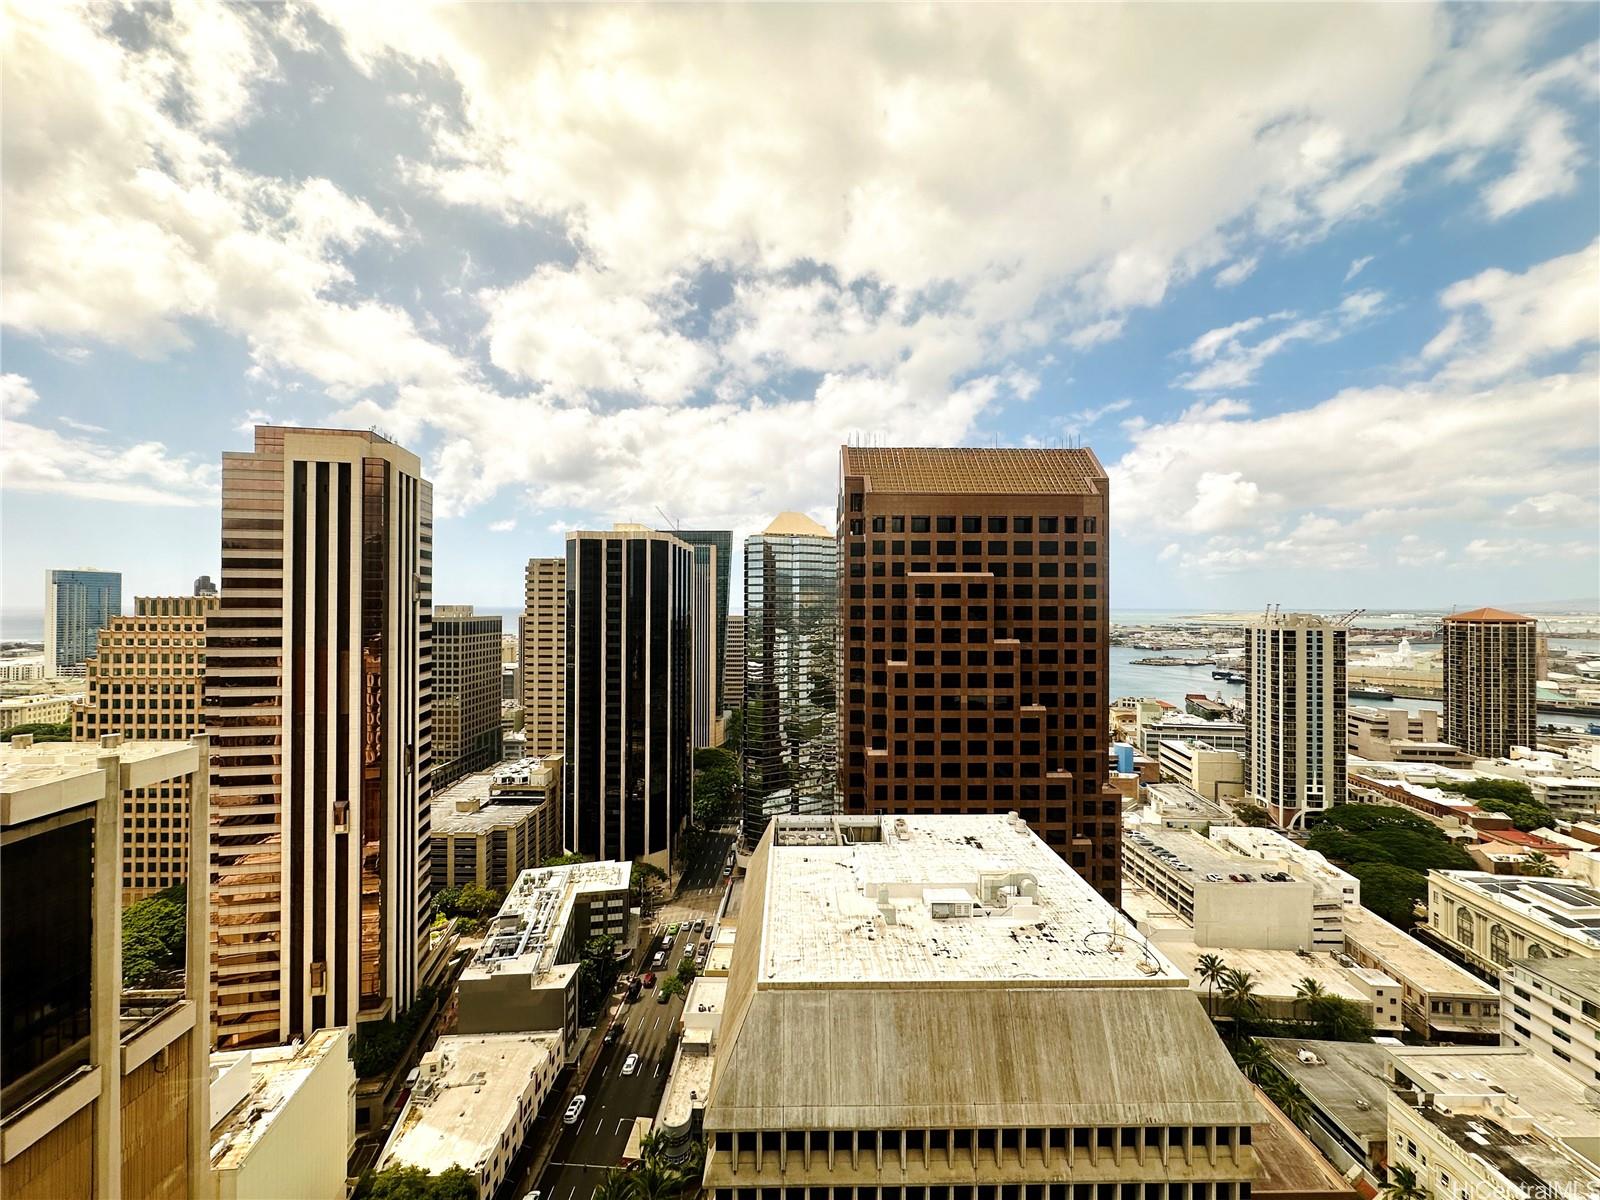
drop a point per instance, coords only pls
(588, 1148)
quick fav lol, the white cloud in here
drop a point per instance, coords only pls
(1412, 550)
(1077, 422)
(1226, 360)
(81, 426)
(1503, 322)
(1520, 550)
(506, 526)
(39, 460)
(1236, 272)
(1553, 508)
(1092, 335)
(1356, 267)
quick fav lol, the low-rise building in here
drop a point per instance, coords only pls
(1488, 920)
(21, 670)
(1332, 884)
(283, 1118)
(1231, 899)
(51, 709)
(939, 1002)
(1483, 1121)
(1439, 1000)
(525, 976)
(1178, 806)
(1400, 735)
(1202, 767)
(490, 827)
(1414, 786)
(1180, 726)
(1346, 1091)
(1551, 1007)
(475, 1099)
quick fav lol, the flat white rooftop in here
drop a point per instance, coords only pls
(856, 901)
(45, 778)
(1404, 956)
(276, 1074)
(525, 935)
(1277, 973)
(457, 1119)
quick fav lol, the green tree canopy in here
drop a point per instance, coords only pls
(565, 860)
(1391, 891)
(1512, 797)
(154, 937)
(42, 731)
(413, 1183)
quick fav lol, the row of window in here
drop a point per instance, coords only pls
(1024, 569)
(880, 547)
(1101, 1137)
(1001, 1191)
(970, 524)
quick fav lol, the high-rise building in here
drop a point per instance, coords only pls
(319, 703)
(103, 1091)
(936, 1006)
(791, 607)
(204, 587)
(1294, 715)
(974, 617)
(466, 692)
(628, 762)
(704, 647)
(1490, 701)
(77, 603)
(543, 656)
(146, 680)
(719, 544)
(733, 666)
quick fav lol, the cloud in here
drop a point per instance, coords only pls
(1502, 323)
(1076, 422)
(1226, 360)
(506, 526)
(1413, 550)
(1521, 550)
(1236, 272)
(39, 460)
(1356, 267)
(1553, 508)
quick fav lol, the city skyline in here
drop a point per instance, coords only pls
(1334, 340)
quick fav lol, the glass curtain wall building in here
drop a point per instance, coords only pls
(77, 605)
(628, 764)
(720, 541)
(791, 717)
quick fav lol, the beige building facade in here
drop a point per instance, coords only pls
(1489, 920)
(543, 657)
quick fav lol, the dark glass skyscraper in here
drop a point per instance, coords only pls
(628, 765)
(77, 604)
(791, 634)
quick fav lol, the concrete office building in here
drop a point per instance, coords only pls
(474, 1103)
(145, 681)
(38, 710)
(628, 769)
(1294, 703)
(283, 1119)
(490, 827)
(1490, 704)
(974, 615)
(933, 1006)
(102, 1091)
(1489, 920)
(790, 753)
(466, 692)
(704, 647)
(77, 603)
(1551, 1008)
(1182, 727)
(1177, 806)
(1344, 1084)
(525, 975)
(1212, 773)
(542, 657)
(1399, 735)
(713, 548)
(319, 702)
(733, 667)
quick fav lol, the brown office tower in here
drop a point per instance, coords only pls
(973, 610)
(543, 656)
(1490, 701)
(319, 702)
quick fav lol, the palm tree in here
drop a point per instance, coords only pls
(1310, 991)
(1291, 1101)
(1403, 1185)
(1211, 968)
(1254, 1063)
(615, 1184)
(1539, 863)
(1239, 994)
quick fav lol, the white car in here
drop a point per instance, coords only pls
(575, 1110)
(632, 1065)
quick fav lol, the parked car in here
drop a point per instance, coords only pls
(611, 1036)
(726, 872)
(632, 1065)
(575, 1110)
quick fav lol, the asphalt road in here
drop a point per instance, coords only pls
(587, 1149)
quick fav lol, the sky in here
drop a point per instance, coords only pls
(1320, 284)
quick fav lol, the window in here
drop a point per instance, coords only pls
(1464, 926)
(1499, 944)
